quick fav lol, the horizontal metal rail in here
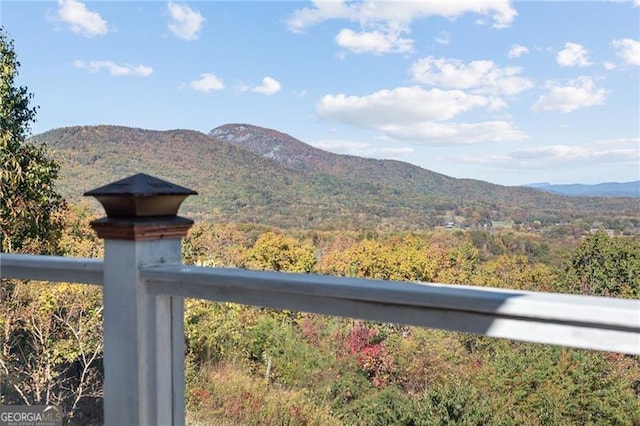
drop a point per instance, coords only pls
(568, 320)
(52, 268)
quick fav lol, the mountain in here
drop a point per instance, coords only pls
(298, 155)
(233, 184)
(249, 174)
(389, 173)
(398, 175)
(608, 189)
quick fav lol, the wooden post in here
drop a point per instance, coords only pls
(143, 333)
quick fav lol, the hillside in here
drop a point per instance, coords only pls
(234, 185)
(298, 155)
(295, 185)
(408, 177)
(607, 189)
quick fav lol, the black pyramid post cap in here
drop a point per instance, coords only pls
(141, 195)
(141, 185)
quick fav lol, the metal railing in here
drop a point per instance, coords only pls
(52, 268)
(587, 322)
(144, 285)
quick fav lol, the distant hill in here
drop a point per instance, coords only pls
(249, 174)
(608, 189)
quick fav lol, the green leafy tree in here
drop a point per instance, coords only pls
(28, 201)
(453, 404)
(51, 338)
(543, 384)
(606, 266)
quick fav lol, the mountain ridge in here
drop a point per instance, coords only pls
(307, 188)
(396, 174)
(603, 189)
(297, 154)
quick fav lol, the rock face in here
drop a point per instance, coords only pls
(272, 144)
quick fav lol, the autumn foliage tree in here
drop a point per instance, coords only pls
(277, 252)
(51, 346)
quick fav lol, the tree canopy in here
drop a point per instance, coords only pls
(606, 266)
(28, 200)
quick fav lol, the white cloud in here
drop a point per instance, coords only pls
(602, 153)
(320, 12)
(416, 114)
(634, 3)
(609, 66)
(517, 50)
(376, 42)
(115, 69)
(362, 149)
(479, 76)
(578, 93)
(206, 83)
(79, 19)
(573, 55)
(384, 24)
(627, 49)
(268, 87)
(400, 105)
(371, 12)
(184, 23)
(456, 133)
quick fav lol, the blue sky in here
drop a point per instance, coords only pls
(507, 92)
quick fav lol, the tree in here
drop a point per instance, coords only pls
(606, 266)
(28, 201)
(219, 245)
(278, 252)
(76, 237)
(50, 341)
(51, 347)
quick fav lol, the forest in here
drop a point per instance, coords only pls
(251, 365)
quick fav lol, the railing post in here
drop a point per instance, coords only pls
(143, 333)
